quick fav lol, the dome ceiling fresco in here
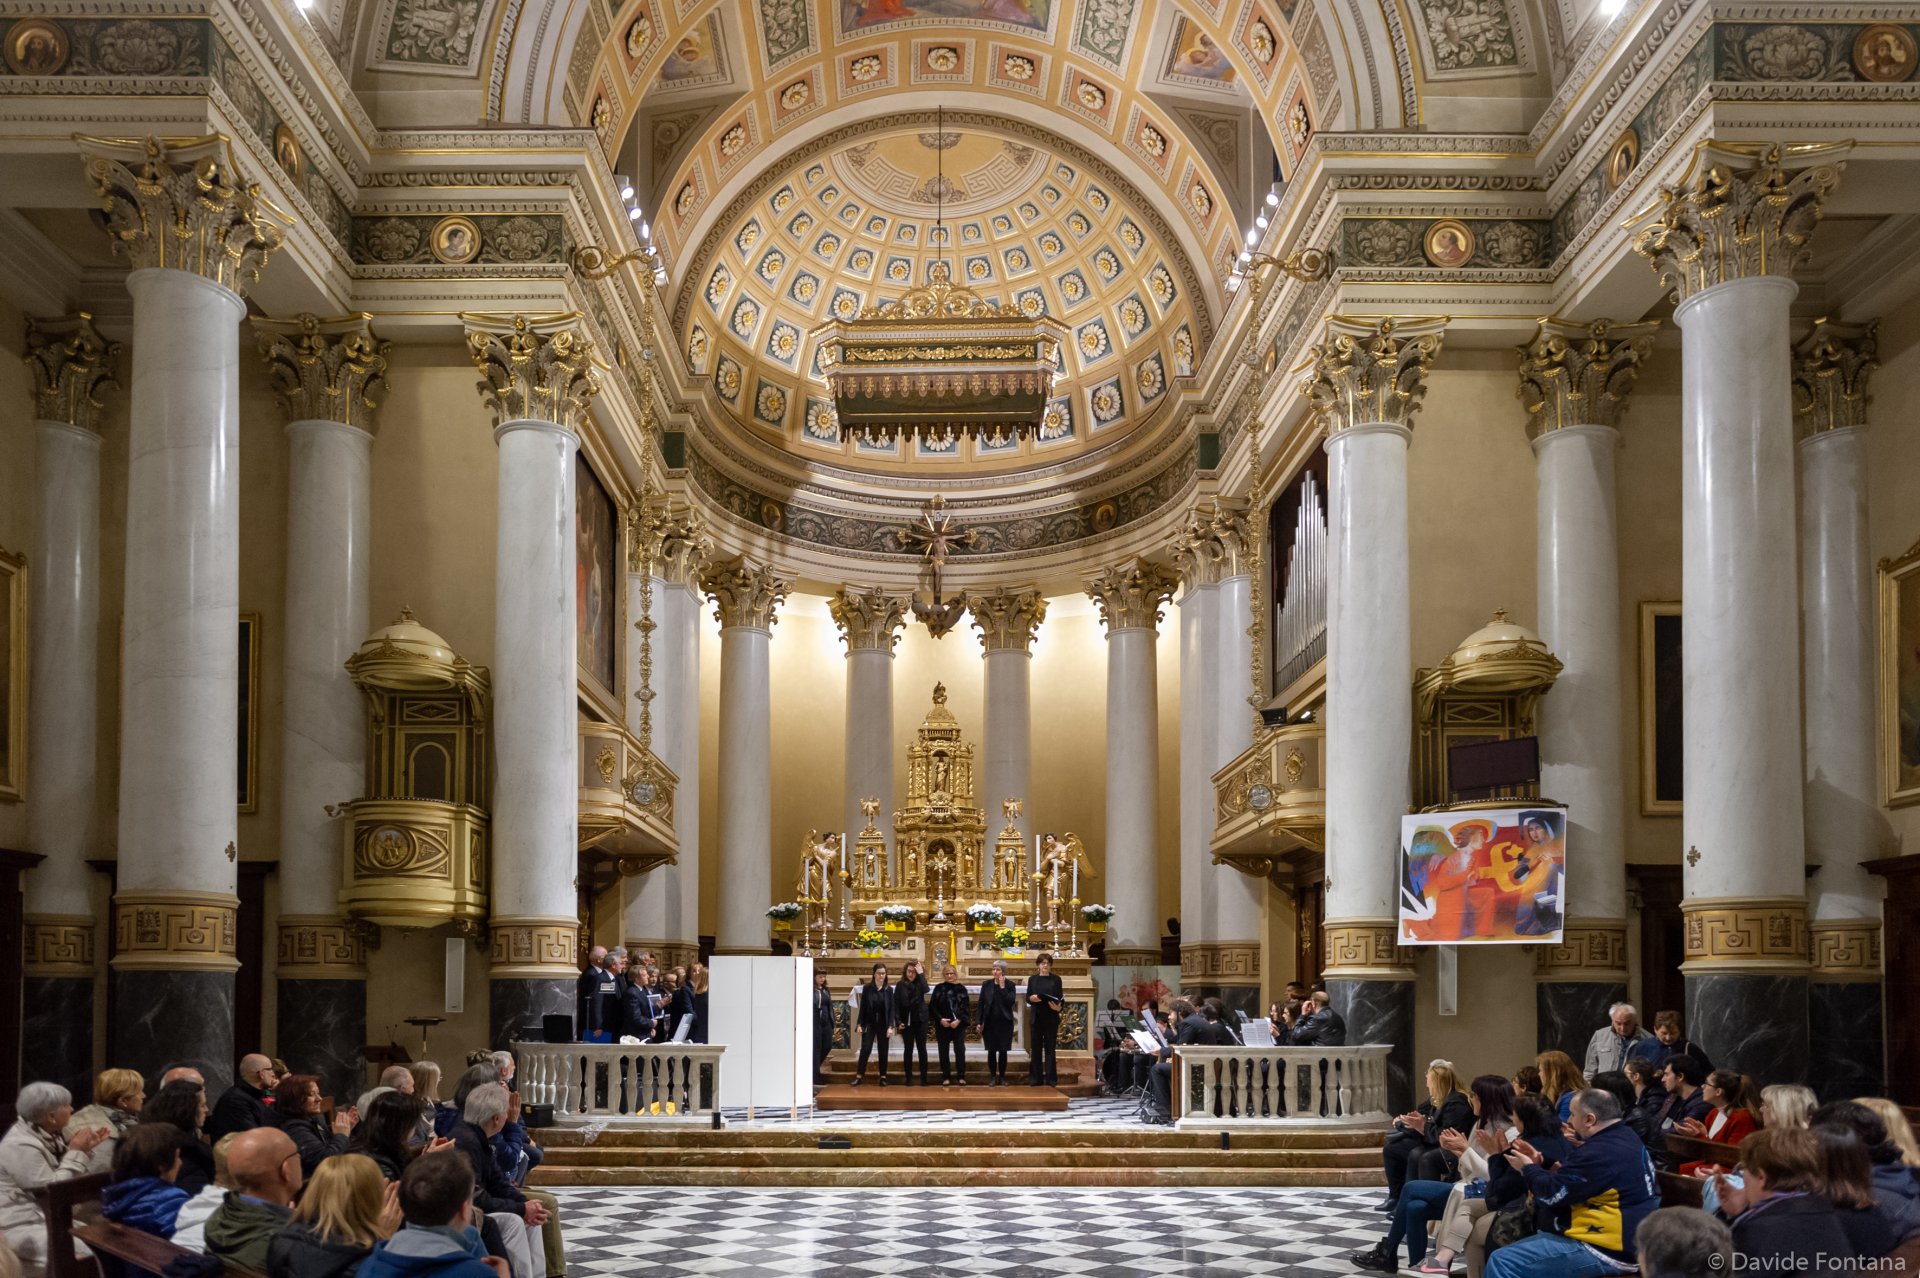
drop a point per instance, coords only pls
(853, 226)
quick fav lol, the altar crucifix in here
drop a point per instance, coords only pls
(936, 535)
(940, 870)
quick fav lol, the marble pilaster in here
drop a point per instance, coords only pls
(746, 596)
(322, 996)
(1131, 598)
(1009, 622)
(870, 622)
(1727, 243)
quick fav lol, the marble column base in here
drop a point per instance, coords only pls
(56, 1038)
(323, 1025)
(1381, 1012)
(514, 1003)
(1848, 1039)
(1755, 1022)
(161, 1019)
(1566, 1013)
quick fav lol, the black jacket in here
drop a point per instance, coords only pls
(492, 1191)
(314, 1141)
(196, 1165)
(951, 1002)
(1320, 1028)
(636, 1009)
(241, 1108)
(999, 1011)
(1455, 1112)
(298, 1252)
(823, 1015)
(910, 1002)
(1790, 1234)
(699, 1032)
(1047, 987)
(596, 1002)
(877, 1012)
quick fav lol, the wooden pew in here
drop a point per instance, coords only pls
(1684, 1191)
(73, 1212)
(132, 1249)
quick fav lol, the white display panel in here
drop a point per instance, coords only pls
(760, 1008)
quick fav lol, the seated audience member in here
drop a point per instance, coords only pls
(1560, 1078)
(438, 1238)
(347, 1208)
(1681, 1242)
(1682, 1076)
(1526, 1081)
(1780, 1221)
(1845, 1179)
(41, 1147)
(397, 1077)
(1319, 1025)
(1598, 1196)
(1615, 1083)
(1668, 1041)
(118, 1095)
(189, 1227)
(484, 1117)
(1649, 1093)
(1899, 1130)
(1422, 1201)
(1728, 1121)
(1541, 1128)
(184, 1105)
(143, 1194)
(298, 1111)
(1895, 1187)
(265, 1169)
(1189, 1028)
(426, 1085)
(243, 1106)
(388, 1133)
(1412, 1149)
(1613, 1042)
(1785, 1105)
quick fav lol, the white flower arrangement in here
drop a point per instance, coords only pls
(894, 914)
(783, 910)
(1097, 913)
(980, 912)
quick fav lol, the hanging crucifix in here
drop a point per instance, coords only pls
(935, 534)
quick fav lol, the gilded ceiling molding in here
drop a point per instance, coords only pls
(1574, 374)
(1008, 620)
(534, 367)
(181, 204)
(744, 593)
(1367, 371)
(1743, 214)
(1132, 595)
(869, 620)
(71, 365)
(1215, 543)
(1831, 367)
(670, 540)
(325, 370)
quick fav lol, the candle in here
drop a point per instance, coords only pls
(1075, 893)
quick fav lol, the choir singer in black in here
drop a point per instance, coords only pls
(878, 1020)
(950, 1015)
(910, 1010)
(1045, 997)
(822, 1027)
(999, 1007)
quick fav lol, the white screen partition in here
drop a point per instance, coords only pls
(759, 1008)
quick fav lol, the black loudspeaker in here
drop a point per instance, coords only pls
(557, 1029)
(537, 1115)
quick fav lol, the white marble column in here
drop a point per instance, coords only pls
(325, 372)
(746, 595)
(1727, 246)
(869, 622)
(661, 908)
(1131, 597)
(1199, 676)
(1574, 380)
(71, 366)
(1008, 622)
(1844, 822)
(175, 904)
(1238, 898)
(538, 379)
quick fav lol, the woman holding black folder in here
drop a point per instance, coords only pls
(1045, 996)
(999, 1005)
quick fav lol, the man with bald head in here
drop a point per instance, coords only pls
(182, 1074)
(243, 1107)
(264, 1166)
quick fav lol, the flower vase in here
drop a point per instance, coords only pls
(1014, 951)
(1096, 926)
(986, 927)
(891, 926)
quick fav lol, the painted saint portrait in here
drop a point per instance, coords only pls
(1195, 56)
(691, 59)
(1449, 243)
(859, 14)
(596, 550)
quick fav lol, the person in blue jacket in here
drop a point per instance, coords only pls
(1598, 1196)
(439, 1238)
(143, 1195)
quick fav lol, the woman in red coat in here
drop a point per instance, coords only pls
(1729, 1121)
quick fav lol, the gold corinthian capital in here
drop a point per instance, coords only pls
(1740, 211)
(325, 370)
(1008, 620)
(1831, 365)
(869, 620)
(1364, 371)
(1131, 595)
(180, 203)
(744, 593)
(540, 368)
(669, 540)
(71, 364)
(1214, 544)
(1581, 374)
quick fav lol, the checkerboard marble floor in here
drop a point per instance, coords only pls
(966, 1233)
(1081, 1111)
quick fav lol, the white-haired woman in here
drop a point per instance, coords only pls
(36, 1151)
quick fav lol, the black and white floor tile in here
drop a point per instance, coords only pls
(965, 1233)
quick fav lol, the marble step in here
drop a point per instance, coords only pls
(904, 1156)
(975, 1177)
(558, 1139)
(870, 1096)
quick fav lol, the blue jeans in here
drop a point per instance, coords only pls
(1548, 1256)
(1420, 1202)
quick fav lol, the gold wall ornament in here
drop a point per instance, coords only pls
(1008, 619)
(1271, 799)
(539, 368)
(1884, 53)
(1367, 370)
(1760, 934)
(1589, 950)
(320, 947)
(1215, 542)
(454, 240)
(174, 931)
(71, 365)
(1574, 374)
(59, 945)
(1622, 157)
(1845, 949)
(745, 593)
(325, 369)
(1831, 366)
(1359, 949)
(1133, 595)
(869, 620)
(534, 948)
(1449, 243)
(286, 153)
(37, 47)
(1219, 963)
(668, 538)
(1738, 213)
(180, 204)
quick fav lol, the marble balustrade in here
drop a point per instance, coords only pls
(639, 1082)
(1228, 1088)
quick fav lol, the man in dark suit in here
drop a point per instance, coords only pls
(878, 1021)
(822, 1026)
(1045, 997)
(1321, 1026)
(1194, 1028)
(595, 999)
(951, 1011)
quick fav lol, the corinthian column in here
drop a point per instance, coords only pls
(1008, 622)
(669, 550)
(195, 236)
(70, 363)
(1726, 244)
(1845, 825)
(1574, 380)
(538, 376)
(1367, 382)
(324, 372)
(870, 622)
(745, 597)
(1131, 597)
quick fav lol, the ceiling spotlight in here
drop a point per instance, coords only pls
(1612, 8)
(646, 232)
(1253, 237)
(1273, 199)
(633, 215)
(1261, 221)
(1245, 257)
(1233, 282)
(626, 191)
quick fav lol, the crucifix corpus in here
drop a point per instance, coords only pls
(935, 534)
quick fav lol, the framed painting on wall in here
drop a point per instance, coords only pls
(248, 786)
(1662, 743)
(597, 585)
(13, 677)
(1900, 677)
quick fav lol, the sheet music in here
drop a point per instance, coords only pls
(1258, 1033)
(1145, 1041)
